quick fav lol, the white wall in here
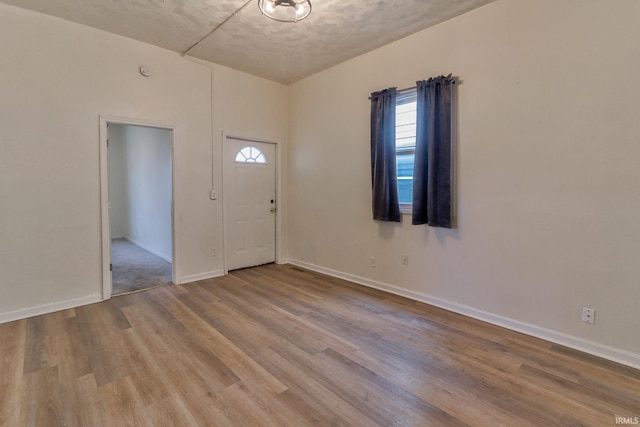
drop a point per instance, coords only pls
(547, 162)
(148, 163)
(118, 206)
(547, 168)
(249, 107)
(57, 78)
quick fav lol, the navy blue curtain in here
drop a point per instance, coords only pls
(384, 179)
(432, 179)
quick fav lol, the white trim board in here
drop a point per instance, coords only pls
(606, 352)
(25, 313)
(200, 276)
(104, 121)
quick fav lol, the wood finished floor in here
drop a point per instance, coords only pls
(278, 346)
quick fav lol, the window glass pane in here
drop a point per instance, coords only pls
(406, 105)
(250, 155)
(406, 125)
(404, 162)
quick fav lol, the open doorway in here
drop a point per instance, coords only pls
(140, 201)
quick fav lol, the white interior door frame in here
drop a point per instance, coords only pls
(278, 188)
(104, 197)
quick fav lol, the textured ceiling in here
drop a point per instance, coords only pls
(337, 30)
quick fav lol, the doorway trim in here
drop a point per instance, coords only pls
(278, 188)
(105, 120)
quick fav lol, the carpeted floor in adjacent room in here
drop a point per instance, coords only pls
(135, 269)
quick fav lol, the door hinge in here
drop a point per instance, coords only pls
(110, 267)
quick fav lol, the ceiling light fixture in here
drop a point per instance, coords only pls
(285, 10)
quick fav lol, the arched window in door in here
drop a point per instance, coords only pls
(250, 155)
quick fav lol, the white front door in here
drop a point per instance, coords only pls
(249, 171)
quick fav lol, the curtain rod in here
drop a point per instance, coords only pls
(406, 89)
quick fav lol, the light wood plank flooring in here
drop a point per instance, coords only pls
(274, 345)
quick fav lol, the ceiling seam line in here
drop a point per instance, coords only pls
(186, 52)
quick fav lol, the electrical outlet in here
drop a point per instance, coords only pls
(213, 251)
(372, 262)
(588, 315)
(404, 259)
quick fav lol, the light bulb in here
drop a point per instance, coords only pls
(270, 6)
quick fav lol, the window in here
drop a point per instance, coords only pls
(406, 104)
(250, 155)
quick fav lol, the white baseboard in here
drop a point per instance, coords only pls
(606, 352)
(200, 276)
(164, 257)
(48, 308)
(91, 299)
